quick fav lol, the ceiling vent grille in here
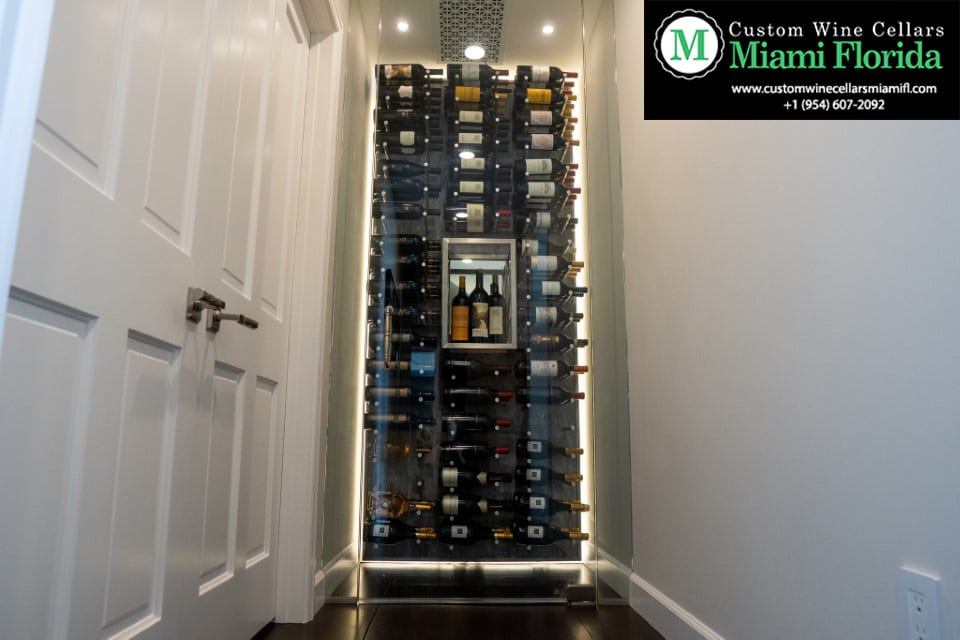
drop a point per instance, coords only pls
(467, 22)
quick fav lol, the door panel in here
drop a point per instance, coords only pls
(259, 446)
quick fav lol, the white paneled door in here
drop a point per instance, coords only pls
(139, 452)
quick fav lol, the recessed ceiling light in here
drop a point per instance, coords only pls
(547, 29)
(403, 25)
(467, 155)
(474, 52)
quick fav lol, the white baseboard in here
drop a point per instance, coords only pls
(666, 616)
(333, 573)
(614, 573)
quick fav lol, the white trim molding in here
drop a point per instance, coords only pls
(614, 573)
(333, 573)
(666, 616)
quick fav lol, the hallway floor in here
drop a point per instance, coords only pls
(467, 622)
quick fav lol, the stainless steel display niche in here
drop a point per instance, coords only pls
(466, 257)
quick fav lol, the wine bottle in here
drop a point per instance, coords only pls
(557, 317)
(539, 223)
(541, 193)
(543, 141)
(479, 312)
(398, 169)
(390, 531)
(407, 96)
(472, 191)
(405, 73)
(485, 120)
(405, 317)
(387, 420)
(539, 507)
(410, 290)
(550, 342)
(546, 246)
(471, 141)
(460, 323)
(383, 210)
(542, 121)
(496, 311)
(455, 504)
(475, 217)
(405, 190)
(452, 423)
(528, 396)
(402, 120)
(459, 98)
(473, 74)
(541, 76)
(402, 243)
(406, 338)
(542, 474)
(409, 142)
(402, 393)
(542, 169)
(548, 97)
(553, 291)
(547, 369)
(553, 266)
(470, 533)
(389, 504)
(472, 168)
(406, 267)
(458, 396)
(468, 478)
(460, 369)
(540, 534)
(420, 365)
(540, 449)
(385, 448)
(460, 453)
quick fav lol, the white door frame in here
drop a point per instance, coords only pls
(24, 35)
(24, 32)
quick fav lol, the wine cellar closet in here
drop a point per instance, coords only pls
(476, 457)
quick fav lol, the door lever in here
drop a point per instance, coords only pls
(198, 300)
(217, 316)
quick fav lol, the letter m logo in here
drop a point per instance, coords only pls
(680, 44)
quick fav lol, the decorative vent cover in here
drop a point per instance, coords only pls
(466, 22)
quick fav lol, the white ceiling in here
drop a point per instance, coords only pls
(522, 41)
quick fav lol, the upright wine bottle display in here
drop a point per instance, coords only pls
(477, 361)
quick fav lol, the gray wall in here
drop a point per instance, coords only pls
(604, 232)
(338, 510)
(793, 305)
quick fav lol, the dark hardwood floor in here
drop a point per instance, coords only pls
(467, 622)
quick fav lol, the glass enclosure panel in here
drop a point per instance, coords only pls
(477, 433)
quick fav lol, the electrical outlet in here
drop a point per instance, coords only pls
(920, 605)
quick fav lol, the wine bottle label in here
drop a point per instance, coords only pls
(470, 138)
(541, 141)
(471, 74)
(481, 318)
(530, 247)
(472, 164)
(381, 531)
(543, 263)
(459, 531)
(543, 369)
(475, 117)
(534, 475)
(538, 503)
(535, 446)
(450, 505)
(496, 321)
(449, 476)
(546, 315)
(482, 477)
(535, 532)
(542, 119)
(540, 74)
(550, 288)
(394, 71)
(471, 187)
(541, 189)
(539, 96)
(406, 91)
(543, 220)
(538, 166)
(475, 218)
(467, 94)
(461, 324)
(408, 138)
